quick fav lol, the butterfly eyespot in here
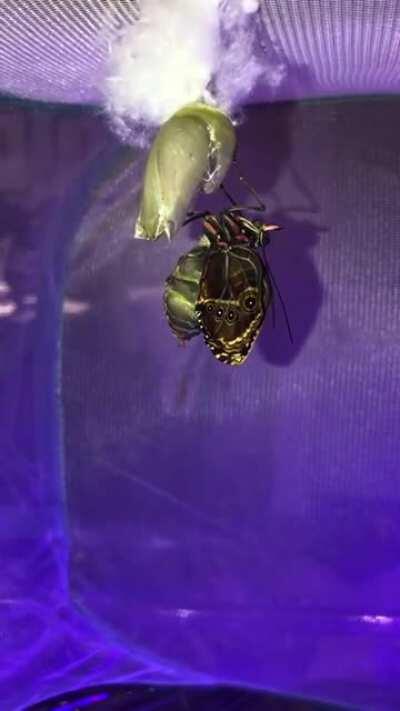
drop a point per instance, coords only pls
(249, 303)
(220, 312)
(210, 308)
(231, 316)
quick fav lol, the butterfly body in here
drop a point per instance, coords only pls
(222, 288)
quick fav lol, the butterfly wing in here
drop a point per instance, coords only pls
(234, 295)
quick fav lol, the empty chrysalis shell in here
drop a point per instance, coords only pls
(192, 150)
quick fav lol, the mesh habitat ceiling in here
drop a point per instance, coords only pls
(56, 50)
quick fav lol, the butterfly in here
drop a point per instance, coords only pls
(223, 287)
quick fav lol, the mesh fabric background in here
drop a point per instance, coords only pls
(202, 524)
(56, 50)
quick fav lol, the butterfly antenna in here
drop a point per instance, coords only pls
(228, 195)
(250, 188)
(276, 287)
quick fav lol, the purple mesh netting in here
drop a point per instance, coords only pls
(168, 519)
(50, 162)
(208, 524)
(56, 50)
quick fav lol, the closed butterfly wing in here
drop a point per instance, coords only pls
(235, 292)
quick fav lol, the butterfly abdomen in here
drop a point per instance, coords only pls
(181, 294)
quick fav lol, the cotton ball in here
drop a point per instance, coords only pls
(180, 51)
(250, 6)
(163, 61)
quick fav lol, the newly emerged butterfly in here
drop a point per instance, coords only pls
(222, 288)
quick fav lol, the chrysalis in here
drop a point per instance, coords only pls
(192, 150)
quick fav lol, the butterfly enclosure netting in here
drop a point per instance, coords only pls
(165, 518)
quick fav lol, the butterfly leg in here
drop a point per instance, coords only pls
(191, 216)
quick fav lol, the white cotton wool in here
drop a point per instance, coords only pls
(250, 6)
(181, 51)
(164, 60)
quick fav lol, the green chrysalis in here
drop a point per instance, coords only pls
(192, 150)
